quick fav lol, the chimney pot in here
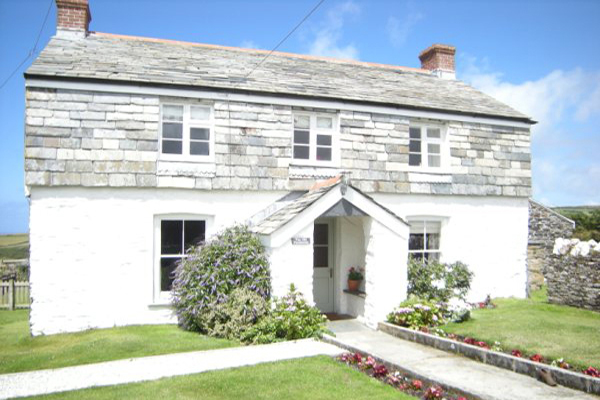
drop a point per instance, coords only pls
(72, 17)
(439, 59)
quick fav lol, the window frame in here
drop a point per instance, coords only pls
(187, 124)
(160, 297)
(425, 220)
(334, 132)
(442, 141)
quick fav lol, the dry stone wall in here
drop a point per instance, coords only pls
(79, 138)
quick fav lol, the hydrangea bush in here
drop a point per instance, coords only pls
(437, 281)
(235, 258)
(417, 313)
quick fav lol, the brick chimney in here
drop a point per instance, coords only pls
(439, 59)
(72, 17)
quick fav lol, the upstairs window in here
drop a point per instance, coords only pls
(424, 240)
(314, 139)
(425, 147)
(186, 132)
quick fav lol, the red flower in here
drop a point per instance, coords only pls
(483, 344)
(461, 398)
(481, 305)
(591, 371)
(537, 358)
(516, 353)
(434, 392)
(357, 358)
(379, 370)
(417, 384)
(469, 340)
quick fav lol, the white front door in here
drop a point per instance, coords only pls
(323, 265)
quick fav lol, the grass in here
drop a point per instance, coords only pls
(309, 378)
(535, 326)
(20, 352)
(14, 246)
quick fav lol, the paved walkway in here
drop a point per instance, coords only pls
(481, 380)
(155, 367)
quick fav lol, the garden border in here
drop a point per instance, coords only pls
(522, 366)
(396, 367)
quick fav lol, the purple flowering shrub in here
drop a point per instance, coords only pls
(417, 313)
(235, 258)
(291, 318)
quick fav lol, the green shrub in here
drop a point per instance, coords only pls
(417, 313)
(235, 258)
(243, 309)
(292, 318)
(435, 281)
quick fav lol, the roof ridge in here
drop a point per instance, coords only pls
(260, 51)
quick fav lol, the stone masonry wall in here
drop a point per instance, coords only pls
(545, 226)
(78, 138)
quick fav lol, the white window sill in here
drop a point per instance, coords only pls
(202, 169)
(313, 163)
(430, 177)
(160, 304)
(313, 171)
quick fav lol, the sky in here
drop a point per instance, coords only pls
(540, 57)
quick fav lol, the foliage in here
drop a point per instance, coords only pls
(587, 222)
(20, 352)
(243, 309)
(292, 318)
(235, 258)
(355, 274)
(436, 281)
(417, 313)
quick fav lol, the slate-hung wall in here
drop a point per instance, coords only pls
(104, 139)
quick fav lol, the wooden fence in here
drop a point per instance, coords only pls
(14, 294)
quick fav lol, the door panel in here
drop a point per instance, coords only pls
(323, 266)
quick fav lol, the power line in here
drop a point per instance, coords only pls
(286, 37)
(33, 49)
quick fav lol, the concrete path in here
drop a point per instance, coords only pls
(481, 380)
(155, 367)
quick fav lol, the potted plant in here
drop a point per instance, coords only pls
(355, 275)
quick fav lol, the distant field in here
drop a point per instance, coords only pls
(576, 209)
(14, 246)
(587, 220)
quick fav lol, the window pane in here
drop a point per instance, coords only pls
(414, 159)
(419, 257)
(199, 148)
(172, 113)
(434, 133)
(301, 152)
(193, 233)
(433, 148)
(199, 133)
(324, 153)
(434, 161)
(433, 241)
(414, 146)
(320, 257)
(200, 113)
(302, 137)
(324, 140)
(415, 133)
(167, 269)
(301, 121)
(171, 147)
(324, 122)
(416, 241)
(172, 131)
(432, 256)
(171, 237)
(321, 234)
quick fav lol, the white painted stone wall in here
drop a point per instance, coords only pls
(92, 251)
(386, 279)
(489, 234)
(293, 264)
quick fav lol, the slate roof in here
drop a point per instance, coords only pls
(152, 61)
(290, 211)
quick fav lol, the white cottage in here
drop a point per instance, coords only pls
(137, 147)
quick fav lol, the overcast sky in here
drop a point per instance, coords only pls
(541, 57)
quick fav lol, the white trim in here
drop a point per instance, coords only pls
(202, 93)
(334, 132)
(443, 141)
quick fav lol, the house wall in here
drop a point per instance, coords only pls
(489, 234)
(101, 139)
(92, 251)
(350, 252)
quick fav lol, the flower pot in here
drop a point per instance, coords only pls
(353, 285)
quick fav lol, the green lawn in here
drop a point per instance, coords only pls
(535, 326)
(20, 352)
(308, 378)
(14, 246)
